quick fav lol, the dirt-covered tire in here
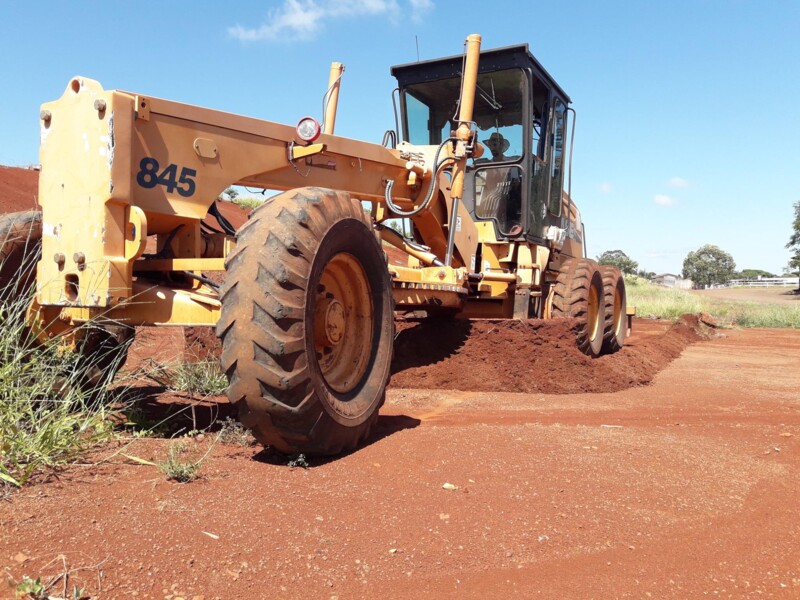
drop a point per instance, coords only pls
(578, 294)
(105, 347)
(20, 250)
(615, 303)
(307, 323)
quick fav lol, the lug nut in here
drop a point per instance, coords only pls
(45, 115)
(80, 260)
(100, 105)
(59, 259)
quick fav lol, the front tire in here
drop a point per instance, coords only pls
(579, 294)
(307, 323)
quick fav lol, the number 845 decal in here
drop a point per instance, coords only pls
(149, 177)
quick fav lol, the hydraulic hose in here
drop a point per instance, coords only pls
(428, 196)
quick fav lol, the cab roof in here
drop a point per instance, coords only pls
(508, 57)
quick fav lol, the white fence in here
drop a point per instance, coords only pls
(764, 282)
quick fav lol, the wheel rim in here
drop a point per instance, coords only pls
(343, 322)
(618, 316)
(594, 312)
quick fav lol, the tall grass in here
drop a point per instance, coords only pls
(659, 302)
(48, 417)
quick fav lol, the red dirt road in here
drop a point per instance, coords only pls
(684, 488)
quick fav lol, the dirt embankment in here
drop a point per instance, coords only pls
(528, 357)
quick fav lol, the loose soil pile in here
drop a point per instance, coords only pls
(531, 356)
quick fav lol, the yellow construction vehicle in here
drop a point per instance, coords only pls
(306, 311)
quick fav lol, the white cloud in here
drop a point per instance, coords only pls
(419, 8)
(304, 19)
(605, 187)
(663, 200)
(678, 182)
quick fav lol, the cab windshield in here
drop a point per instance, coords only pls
(432, 112)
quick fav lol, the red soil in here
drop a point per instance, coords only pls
(680, 489)
(532, 356)
(19, 189)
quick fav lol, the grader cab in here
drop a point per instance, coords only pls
(306, 310)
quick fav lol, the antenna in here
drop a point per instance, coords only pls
(416, 39)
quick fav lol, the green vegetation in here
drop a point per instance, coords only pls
(298, 461)
(753, 274)
(794, 243)
(708, 265)
(248, 203)
(198, 379)
(658, 302)
(175, 468)
(47, 418)
(617, 258)
(234, 433)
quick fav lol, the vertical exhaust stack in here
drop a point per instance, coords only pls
(332, 101)
(463, 134)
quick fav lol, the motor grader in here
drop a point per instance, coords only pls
(307, 305)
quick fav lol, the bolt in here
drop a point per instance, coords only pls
(59, 259)
(100, 105)
(45, 115)
(80, 260)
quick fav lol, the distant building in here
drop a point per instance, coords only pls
(671, 280)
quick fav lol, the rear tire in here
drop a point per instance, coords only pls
(20, 250)
(307, 323)
(579, 294)
(614, 298)
(105, 347)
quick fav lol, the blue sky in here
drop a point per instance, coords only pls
(688, 111)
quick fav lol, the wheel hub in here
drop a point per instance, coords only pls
(333, 322)
(342, 324)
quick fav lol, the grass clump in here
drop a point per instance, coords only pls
(654, 301)
(47, 416)
(248, 204)
(202, 378)
(176, 468)
(298, 461)
(234, 433)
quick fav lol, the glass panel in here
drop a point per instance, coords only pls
(557, 156)
(419, 117)
(498, 195)
(537, 209)
(497, 114)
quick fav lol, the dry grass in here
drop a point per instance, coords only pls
(663, 303)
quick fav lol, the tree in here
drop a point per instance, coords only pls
(754, 274)
(794, 243)
(231, 193)
(617, 258)
(708, 265)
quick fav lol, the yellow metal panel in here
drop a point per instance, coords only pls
(180, 264)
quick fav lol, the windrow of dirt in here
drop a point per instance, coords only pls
(528, 356)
